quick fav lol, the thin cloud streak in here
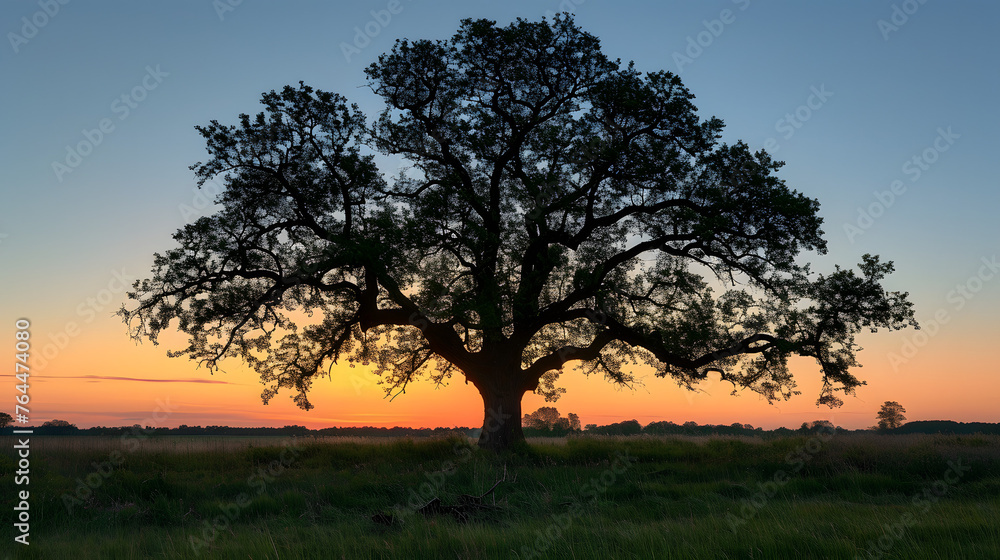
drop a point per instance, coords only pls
(117, 378)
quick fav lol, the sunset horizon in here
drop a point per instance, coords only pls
(477, 280)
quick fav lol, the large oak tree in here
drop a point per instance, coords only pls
(557, 207)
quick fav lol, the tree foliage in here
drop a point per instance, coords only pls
(625, 428)
(817, 426)
(558, 206)
(548, 418)
(891, 415)
(58, 424)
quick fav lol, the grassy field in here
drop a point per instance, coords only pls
(821, 496)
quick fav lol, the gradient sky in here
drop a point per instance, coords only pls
(848, 94)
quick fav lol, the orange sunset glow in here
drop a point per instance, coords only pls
(902, 167)
(103, 379)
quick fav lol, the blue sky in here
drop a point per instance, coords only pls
(849, 93)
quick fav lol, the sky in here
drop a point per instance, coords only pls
(883, 110)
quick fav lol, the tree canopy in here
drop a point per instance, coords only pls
(556, 206)
(891, 415)
(548, 418)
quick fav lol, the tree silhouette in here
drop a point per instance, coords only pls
(58, 427)
(548, 418)
(558, 207)
(5, 419)
(891, 415)
(574, 422)
(816, 426)
(544, 418)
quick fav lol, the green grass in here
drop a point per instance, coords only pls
(675, 497)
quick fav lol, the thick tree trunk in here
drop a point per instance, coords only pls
(502, 418)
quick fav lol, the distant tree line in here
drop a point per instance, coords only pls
(947, 427)
(560, 426)
(62, 427)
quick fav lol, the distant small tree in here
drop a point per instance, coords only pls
(5, 420)
(574, 422)
(625, 428)
(59, 427)
(891, 415)
(548, 418)
(542, 419)
(662, 427)
(629, 427)
(817, 425)
(590, 427)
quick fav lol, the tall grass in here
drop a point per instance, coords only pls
(581, 497)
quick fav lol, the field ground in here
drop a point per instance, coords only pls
(821, 496)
